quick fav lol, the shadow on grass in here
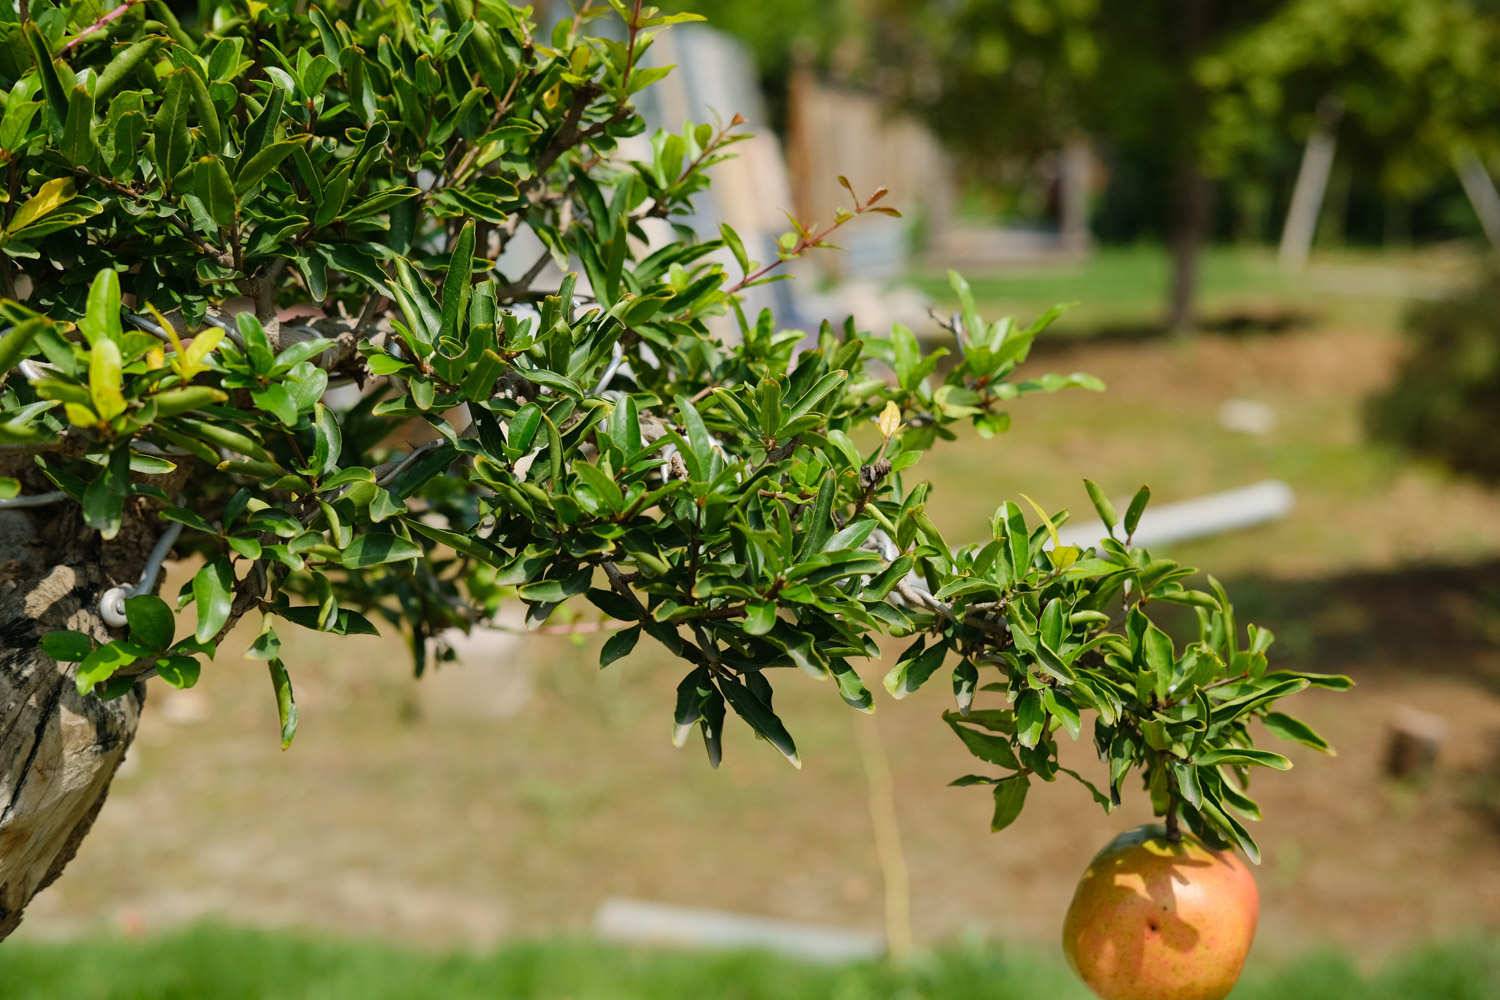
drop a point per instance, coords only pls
(1438, 619)
(1237, 324)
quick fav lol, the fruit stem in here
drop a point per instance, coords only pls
(1174, 830)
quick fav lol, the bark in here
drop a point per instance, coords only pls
(58, 750)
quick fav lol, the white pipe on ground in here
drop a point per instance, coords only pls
(634, 921)
(1215, 514)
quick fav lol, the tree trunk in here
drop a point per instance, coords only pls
(1192, 202)
(1192, 210)
(58, 750)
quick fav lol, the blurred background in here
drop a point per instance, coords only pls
(1277, 221)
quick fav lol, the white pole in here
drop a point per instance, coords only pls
(1312, 184)
(1480, 188)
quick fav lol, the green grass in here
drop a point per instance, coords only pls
(1122, 290)
(209, 961)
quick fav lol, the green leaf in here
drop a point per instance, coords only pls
(1017, 538)
(101, 319)
(1186, 776)
(965, 681)
(78, 131)
(1101, 504)
(1136, 509)
(102, 664)
(378, 548)
(1329, 682)
(267, 645)
(262, 163)
(619, 645)
(211, 184)
(17, 342)
(346, 622)
(1156, 649)
(1010, 799)
(1244, 755)
(910, 674)
(700, 453)
(286, 702)
(736, 247)
(851, 687)
(67, 646)
(46, 68)
(988, 747)
(213, 595)
(125, 62)
(456, 282)
(1289, 728)
(328, 440)
(185, 400)
(179, 671)
(169, 131)
(104, 499)
(152, 624)
(275, 400)
(760, 617)
(760, 717)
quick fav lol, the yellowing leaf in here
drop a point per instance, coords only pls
(890, 419)
(166, 325)
(1051, 528)
(195, 358)
(52, 196)
(1063, 556)
(80, 416)
(105, 380)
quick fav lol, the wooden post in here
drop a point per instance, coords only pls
(1413, 745)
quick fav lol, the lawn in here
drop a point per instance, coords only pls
(229, 964)
(1121, 292)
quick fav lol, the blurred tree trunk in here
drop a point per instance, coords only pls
(58, 750)
(1192, 191)
(1192, 215)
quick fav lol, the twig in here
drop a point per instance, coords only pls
(392, 470)
(109, 16)
(634, 28)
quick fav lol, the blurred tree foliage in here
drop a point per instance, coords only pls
(1175, 93)
(1445, 400)
(782, 33)
(1414, 78)
(1002, 80)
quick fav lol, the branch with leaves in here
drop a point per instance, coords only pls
(751, 504)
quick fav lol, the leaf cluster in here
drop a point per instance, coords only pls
(442, 436)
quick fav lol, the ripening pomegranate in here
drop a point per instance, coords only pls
(1157, 919)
